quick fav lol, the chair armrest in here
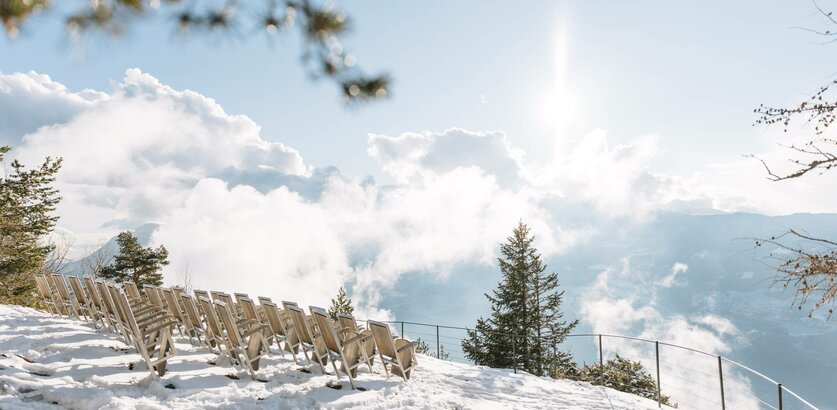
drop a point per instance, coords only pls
(159, 326)
(254, 329)
(406, 346)
(355, 338)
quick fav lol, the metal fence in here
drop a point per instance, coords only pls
(693, 379)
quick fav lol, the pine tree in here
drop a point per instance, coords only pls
(27, 200)
(135, 263)
(423, 348)
(624, 375)
(341, 304)
(526, 325)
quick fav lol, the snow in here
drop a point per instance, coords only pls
(47, 362)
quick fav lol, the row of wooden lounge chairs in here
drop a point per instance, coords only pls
(234, 327)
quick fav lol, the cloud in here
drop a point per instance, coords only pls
(246, 214)
(413, 154)
(31, 100)
(669, 281)
(132, 155)
(232, 204)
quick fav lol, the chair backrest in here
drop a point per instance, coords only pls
(228, 320)
(263, 299)
(326, 329)
(93, 293)
(383, 338)
(303, 331)
(191, 310)
(153, 295)
(128, 318)
(238, 296)
(43, 287)
(249, 308)
(172, 304)
(107, 303)
(285, 304)
(178, 292)
(131, 290)
(274, 318)
(78, 292)
(120, 313)
(113, 294)
(348, 324)
(211, 316)
(226, 298)
(201, 294)
(61, 286)
(215, 294)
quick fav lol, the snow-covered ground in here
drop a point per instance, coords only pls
(48, 362)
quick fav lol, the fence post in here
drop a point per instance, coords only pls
(780, 395)
(659, 395)
(601, 361)
(438, 344)
(514, 355)
(721, 378)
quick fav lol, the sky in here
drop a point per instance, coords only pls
(571, 116)
(565, 114)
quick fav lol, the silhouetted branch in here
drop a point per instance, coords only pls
(320, 25)
(809, 268)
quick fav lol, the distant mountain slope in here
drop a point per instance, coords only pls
(107, 250)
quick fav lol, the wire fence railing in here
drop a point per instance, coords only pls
(692, 378)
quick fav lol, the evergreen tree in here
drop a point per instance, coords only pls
(526, 324)
(27, 200)
(340, 304)
(624, 375)
(423, 348)
(135, 263)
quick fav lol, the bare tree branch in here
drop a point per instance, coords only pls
(808, 267)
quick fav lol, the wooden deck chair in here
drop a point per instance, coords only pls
(399, 354)
(152, 337)
(176, 311)
(143, 313)
(291, 330)
(214, 332)
(349, 328)
(48, 297)
(153, 295)
(82, 301)
(67, 301)
(226, 298)
(305, 334)
(246, 338)
(346, 351)
(198, 295)
(193, 317)
(132, 291)
(249, 310)
(93, 294)
(111, 311)
(238, 296)
(119, 312)
(280, 325)
(201, 294)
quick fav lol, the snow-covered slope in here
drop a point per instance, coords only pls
(73, 366)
